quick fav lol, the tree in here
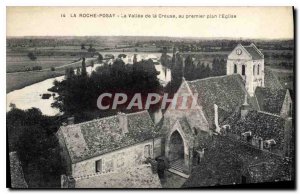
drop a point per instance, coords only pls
(32, 135)
(83, 68)
(69, 72)
(82, 46)
(189, 68)
(31, 56)
(91, 49)
(122, 56)
(100, 58)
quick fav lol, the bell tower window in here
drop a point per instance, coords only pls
(258, 70)
(243, 70)
(235, 69)
(253, 69)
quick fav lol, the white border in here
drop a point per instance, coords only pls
(5, 3)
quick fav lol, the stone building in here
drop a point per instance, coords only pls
(248, 61)
(236, 119)
(107, 146)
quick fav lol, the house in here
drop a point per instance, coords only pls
(16, 172)
(107, 146)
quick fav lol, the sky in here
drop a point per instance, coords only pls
(250, 22)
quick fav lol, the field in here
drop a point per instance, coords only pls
(59, 53)
(17, 62)
(19, 80)
(20, 63)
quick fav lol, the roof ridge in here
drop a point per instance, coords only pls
(135, 113)
(268, 113)
(213, 77)
(90, 121)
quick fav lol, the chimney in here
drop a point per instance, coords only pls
(71, 120)
(245, 108)
(218, 129)
(123, 122)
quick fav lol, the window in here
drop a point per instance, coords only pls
(235, 68)
(147, 151)
(99, 165)
(243, 69)
(290, 109)
(253, 69)
(258, 70)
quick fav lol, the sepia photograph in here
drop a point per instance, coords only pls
(150, 97)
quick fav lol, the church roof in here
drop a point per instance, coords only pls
(271, 80)
(270, 100)
(16, 172)
(228, 92)
(254, 52)
(99, 136)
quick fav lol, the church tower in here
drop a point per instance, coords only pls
(248, 61)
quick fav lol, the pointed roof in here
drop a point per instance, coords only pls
(270, 100)
(228, 92)
(254, 52)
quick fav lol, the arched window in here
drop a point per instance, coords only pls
(258, 70)
(243, 69)
(235, 69)
(253, 69)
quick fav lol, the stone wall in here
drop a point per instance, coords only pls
(117, 160)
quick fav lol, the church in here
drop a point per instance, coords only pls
(235, 129)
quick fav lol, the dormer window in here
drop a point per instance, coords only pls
(269, 143)
(247, 135)
(243, 69)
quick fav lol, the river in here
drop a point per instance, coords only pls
(31, 96)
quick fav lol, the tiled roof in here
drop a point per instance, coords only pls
(226, 160)
(254, 52)
(270, 100)
(271, 80)
(99, 136)
(262, 124)
(16, 172)
(135, 177)
(228, 92)
(264, 172)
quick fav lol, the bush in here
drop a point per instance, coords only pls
(31, 56)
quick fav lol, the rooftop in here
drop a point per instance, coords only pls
(99, 136)
(261, 124)
(226, 160)
(270, 100)
(271, 80)
(254, 52)
(228, 92)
